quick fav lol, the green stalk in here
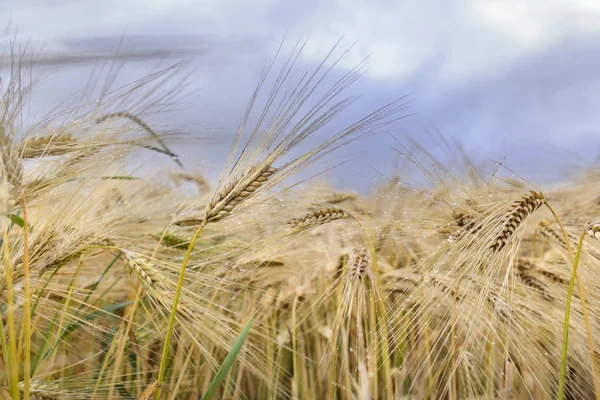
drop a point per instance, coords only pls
(228, 362)
(563, 362)
(165, 351)
(586, 319)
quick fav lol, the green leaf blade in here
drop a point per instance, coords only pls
(228, 363)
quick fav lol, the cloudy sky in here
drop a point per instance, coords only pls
(505, 78)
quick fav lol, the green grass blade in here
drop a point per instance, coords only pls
(228, 363)
(16, 220)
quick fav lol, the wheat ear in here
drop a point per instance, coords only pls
(523, 272)
(145, 271)
(337, 198)
(318, 217)
(232, 195)
(515, 216)
(49, 145)
(223, 204)
(359, 265)
(146, 127)
(11, 173)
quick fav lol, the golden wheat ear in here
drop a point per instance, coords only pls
(11, 168)
(525, 269)
(49, 145)
(236, 193)
(359, 265)
(515, 215)
(317, 217)
(143, 269)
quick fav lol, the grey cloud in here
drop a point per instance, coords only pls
(538, 107)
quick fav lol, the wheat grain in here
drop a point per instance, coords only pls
(592, 229)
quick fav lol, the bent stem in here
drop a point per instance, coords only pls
(581, 291)
(563, 361)
(165, 351)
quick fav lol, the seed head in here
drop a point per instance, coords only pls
(593, 230)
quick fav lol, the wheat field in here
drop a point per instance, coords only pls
(450, 280)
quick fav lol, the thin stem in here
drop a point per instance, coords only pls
(562, 229)
(27, 302)
(586, 319)
(165, 351)
(563, 362)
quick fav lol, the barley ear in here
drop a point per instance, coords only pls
(234, 194)
(317, 217)
(515, 216)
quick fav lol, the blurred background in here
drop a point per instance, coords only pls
(509, 80)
